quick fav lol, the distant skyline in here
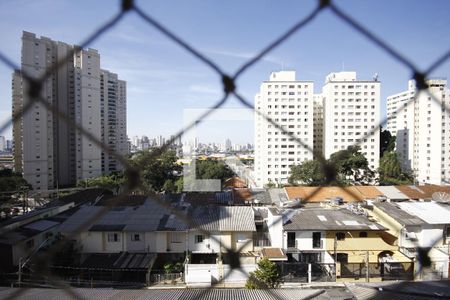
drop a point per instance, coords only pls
(163, 79)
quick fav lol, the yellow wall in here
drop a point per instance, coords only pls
(387, 221)
(356, 247)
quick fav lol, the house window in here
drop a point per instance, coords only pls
(176, 237)
(342, 257)
(113, 237)
(316, 239)
(135, 237)
(363, 234)
(340, 236)
(241, 238)
(199, 239)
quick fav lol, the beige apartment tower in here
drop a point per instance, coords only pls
(48, 151)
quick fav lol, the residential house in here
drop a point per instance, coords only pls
(416, 224)
(22, 236)
(324, 236)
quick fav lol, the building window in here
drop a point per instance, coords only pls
(342, 257)
(316, 239)
(135, 237)
(199, 239)
(340, 236)
(363, 234)
(113, 237)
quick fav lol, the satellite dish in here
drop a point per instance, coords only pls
(441, 197)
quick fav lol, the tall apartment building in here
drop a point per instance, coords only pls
(47, 150)
(318, 124)
(422, 129)
(113, 119)
(351, 108)
(289, 103)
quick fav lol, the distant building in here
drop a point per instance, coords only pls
(47, 150)
(2, 143)
(351, 108)
(422, 128)
(9, 145)
(289, 103)
(113, 119)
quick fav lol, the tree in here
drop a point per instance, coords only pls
(390, 171)
(212, 169)
(309, 172)
(157, 168)
(351, 166)
(11, 181)
(112, 182)
(387, 142)
(264, 277)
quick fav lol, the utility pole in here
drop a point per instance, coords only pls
(19, 273)
(367, 266)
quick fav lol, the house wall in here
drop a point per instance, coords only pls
(151, 241)
(207, 246)
(97, 242)
(133, 245)
(275, 225)
(357, 247)
(304, 240)
(21, 250)
(221, 241)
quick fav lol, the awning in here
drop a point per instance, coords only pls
(274, 254)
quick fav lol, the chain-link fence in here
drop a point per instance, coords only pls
(230, 90)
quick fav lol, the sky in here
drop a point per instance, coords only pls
(163, 80)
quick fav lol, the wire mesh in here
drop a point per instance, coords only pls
(229, 90)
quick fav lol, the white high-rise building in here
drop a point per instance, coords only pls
(47, 150)
(318, 124)
(422, 130)
(2, 143)
(351, 108)
(289, 103)
(113, 119)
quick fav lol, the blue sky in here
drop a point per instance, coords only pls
(163, 79)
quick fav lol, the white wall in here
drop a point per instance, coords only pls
(131, 245)
(304, 240)
(275, 225)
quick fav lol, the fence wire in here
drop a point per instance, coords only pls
(229, 90)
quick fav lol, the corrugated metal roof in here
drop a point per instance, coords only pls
(145, 217)
(430, 212)
(176, 294)
(123, 260)
(41, 225)
(224, 218)
(329, 219)
(237, 218)
(400, 215)
(392, 193)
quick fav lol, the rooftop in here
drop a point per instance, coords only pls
(430, 212)
(224, 218)
(329, 219)
(398, 214)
